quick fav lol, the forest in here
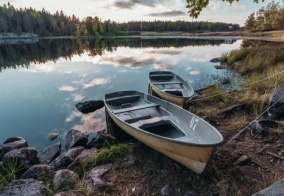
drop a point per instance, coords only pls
(267, 18)
(43, 23)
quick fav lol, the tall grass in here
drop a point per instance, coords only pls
(108, 154)
(9, 171)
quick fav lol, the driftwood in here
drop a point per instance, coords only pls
(275, 155)
(233, 108)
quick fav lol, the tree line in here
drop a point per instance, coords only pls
(266, 18)
(22, 54)
(43, 23)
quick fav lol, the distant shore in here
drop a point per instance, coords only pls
(277, 36)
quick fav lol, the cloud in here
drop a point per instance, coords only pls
(163, 66)
(168, 14)
(77, 97)
(124, 5)
(67, 88)
(130, 62)
(91, 122)
(149, 3)
(166, 52)
(194, 72)
(96, 82)
(132, 3)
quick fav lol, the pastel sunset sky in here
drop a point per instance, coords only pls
(147, 10)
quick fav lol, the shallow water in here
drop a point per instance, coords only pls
(40, 83)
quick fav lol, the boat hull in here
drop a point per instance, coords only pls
(193, 157)
(180, 101)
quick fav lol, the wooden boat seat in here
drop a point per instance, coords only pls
(139, 107)
(157, 83)
(151, 121)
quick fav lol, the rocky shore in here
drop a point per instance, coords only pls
(49, 164)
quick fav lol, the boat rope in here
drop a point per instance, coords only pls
(254, 120)
(234, 91)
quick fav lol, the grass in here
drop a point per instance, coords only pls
(9, 172)
(108, 154)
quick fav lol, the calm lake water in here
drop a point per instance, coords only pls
(41, 82)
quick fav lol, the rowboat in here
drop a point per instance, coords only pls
(170, 87)
(165, 127)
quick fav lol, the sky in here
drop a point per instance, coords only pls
(147, 10)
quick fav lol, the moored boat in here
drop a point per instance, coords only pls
(170, 87)
(165, 127)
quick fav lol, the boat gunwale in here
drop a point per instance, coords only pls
(167, 138)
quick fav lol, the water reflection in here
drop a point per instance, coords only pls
(40, 83)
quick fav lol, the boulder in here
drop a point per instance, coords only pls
(276, 104)
(166, 190)
(52, 136)
(12, 139)
(93, 178)
(276, 188)
(14, 143)
(219, 67)
(25, 157)
(101, 140)
(78, 163)
(66, 158)
(30, 187)
(50, 153)
(75, 138)
(89, 106)
(215, 60)
(262, 127)
(257, 129)
(39, 172)
(64, 178)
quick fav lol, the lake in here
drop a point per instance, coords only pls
(41, 82)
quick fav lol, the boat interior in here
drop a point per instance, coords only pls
(169, 83)
(145, 115)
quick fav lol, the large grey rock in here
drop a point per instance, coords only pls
(64, 178)
(50, 153)
(101, 140)
(276, 102)
(28, 187)
(25, 157)
(39, 172)
(66, 158)
(14, 143)
(89, 106)
(276, 189)
(79, 162)
(93, 178)
(75, 138)
(12, 139)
